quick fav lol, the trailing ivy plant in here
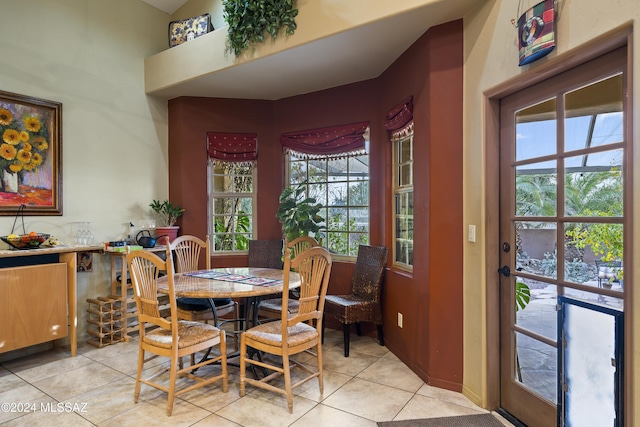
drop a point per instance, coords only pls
(250, 20)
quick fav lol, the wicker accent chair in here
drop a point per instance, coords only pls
(271, 308)
(186, 251)
(265, 253)
(291, 334)
(364, 302)
(171, 338)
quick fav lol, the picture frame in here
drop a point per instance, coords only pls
(30, 155)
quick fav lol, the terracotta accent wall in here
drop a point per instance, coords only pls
(189, 121)
(430, 298)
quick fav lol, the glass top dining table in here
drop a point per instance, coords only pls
(235, 282)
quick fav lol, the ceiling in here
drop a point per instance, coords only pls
(168, 6)
(359, 54)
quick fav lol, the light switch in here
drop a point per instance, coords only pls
(472, 233)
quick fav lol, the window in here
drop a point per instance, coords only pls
(342, 186)
(403, 197)
(232, 195)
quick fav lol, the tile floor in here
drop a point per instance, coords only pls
(96, 388)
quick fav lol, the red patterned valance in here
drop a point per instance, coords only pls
(232, 147)
(339, 141)
(400, 115)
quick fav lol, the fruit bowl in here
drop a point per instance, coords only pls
(25, 241)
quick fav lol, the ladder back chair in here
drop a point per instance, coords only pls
(270, 308)
(292, 333)
(186, 251)
(171, 338)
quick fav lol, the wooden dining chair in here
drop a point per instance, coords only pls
(171, 338)
(186, 251)
(271, 308)
(364, 303)
(300, 331)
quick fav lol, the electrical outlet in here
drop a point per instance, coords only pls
(399, 319)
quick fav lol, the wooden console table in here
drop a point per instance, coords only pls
(33, 286)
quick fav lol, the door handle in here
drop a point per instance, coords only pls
(505, 271)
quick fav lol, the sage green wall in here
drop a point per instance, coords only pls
(89, 55)
(491, 58)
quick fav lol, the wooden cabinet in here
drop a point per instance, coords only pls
(38, 296)
(33, 305)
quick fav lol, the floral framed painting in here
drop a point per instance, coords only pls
(30, 155)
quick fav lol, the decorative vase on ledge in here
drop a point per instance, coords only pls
(170, 232)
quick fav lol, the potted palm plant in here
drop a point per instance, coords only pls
(168, 214)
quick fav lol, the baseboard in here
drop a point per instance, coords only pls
(472, 396)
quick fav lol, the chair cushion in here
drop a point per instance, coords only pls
(200, 304)
(352, 308)
(275, 305)
(189, 333)
(271, 333)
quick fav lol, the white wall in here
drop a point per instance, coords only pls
(491, 57)
(89, 55)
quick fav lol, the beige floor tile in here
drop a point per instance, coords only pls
(35, 360)
(371, 385)
(332, 382)
(447, 396)
(333, 360)
(154, 413)
(46, 419)
(215, 421)
(127, 362)
(23, 399)
(426, 407)
(366, 344)
(117, 349)
(265, 409)
(369, 400)
(107, 401)
(49, 369)
(9, 380)
(322, 416)
(72, 383)
(212, 398)
(391, 356)
(393, 374)
(332, 338)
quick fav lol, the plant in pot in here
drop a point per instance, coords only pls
(250, 21)
(298, 214)
(168, 214)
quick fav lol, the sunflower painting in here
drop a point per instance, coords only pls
(29, 155)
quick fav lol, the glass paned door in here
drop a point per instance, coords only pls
(563, 174)
(591, 362)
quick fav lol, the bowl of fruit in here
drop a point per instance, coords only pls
(31, 240)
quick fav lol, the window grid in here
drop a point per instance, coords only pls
(342, 186)
(232, 206)
(403, 201)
